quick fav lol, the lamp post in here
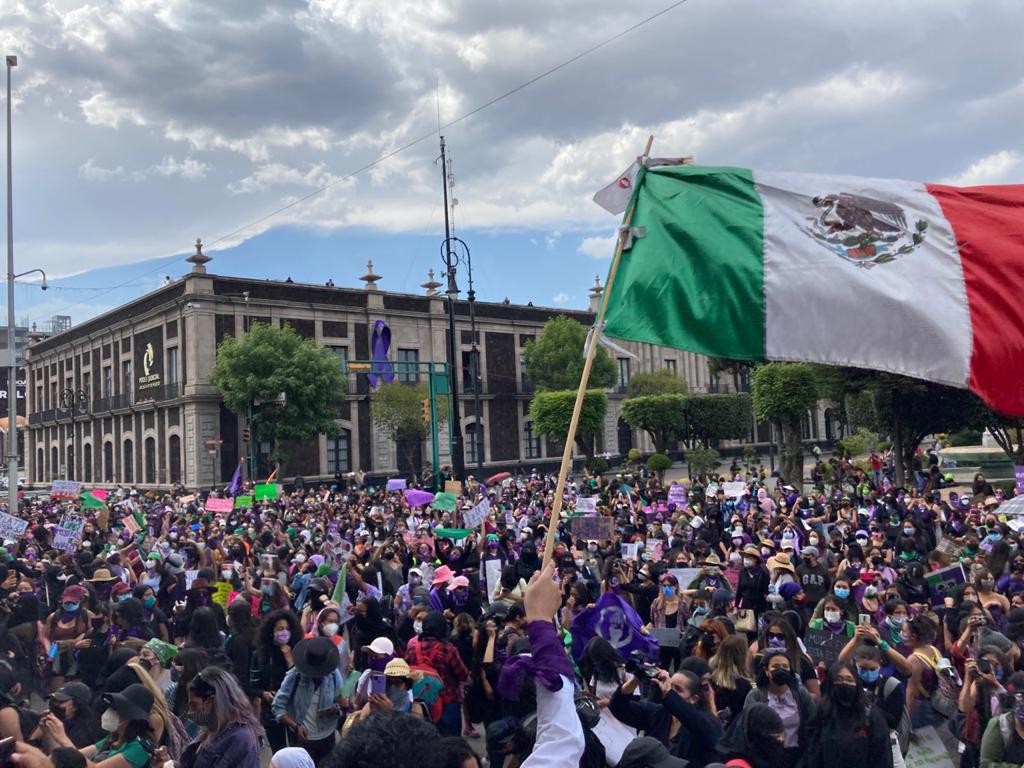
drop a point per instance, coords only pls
(450, 259)
(12, 385)
(456, 252)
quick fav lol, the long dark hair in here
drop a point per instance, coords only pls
(203, 630)
(193, 661)
(601, 661)
(856, 715)
(240, 620)
(265, 638)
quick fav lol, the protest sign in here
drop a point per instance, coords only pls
(190, 577)
(130, 524)
(492, 576)
(475, 517)
(734, 490)
(676, 494)
(1018, 473)
(586, 505)
(70, 488)
(66, 539)
(103, 519)
(396, 484)
(824, 646)
(453, 487)
(506, 483)
(243, 502)
(11, 527)
(187, 499)
(685, 575)
(653, 548)
(444, 502)
(417, 498)
(944, 581)
(219, 505)
(629, 551)
(592, 528)
(265, 491)
(99, 494)
(667, 637)
(927, 750)
(510, 518)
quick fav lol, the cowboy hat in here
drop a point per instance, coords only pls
(752, 551)
(780, 562)
(102, 575)
(711, 559)
(316, 657)
(199, 585)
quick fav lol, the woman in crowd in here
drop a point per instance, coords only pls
(230, 734)
(754, 740)
(778, 687)
(188, 663)
(848, 731)
(729, 675)
(307, 703)
(279, 633)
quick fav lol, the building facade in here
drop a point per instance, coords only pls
(126, 397)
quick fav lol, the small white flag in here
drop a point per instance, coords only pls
(616, 196)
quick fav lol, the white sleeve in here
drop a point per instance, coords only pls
(559, 741)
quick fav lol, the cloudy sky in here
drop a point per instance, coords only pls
(140, 125)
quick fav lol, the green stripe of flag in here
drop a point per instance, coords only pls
(695, 279)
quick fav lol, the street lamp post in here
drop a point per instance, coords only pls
(12, 380)
(450, 259)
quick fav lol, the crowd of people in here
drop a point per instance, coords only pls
(341, 625)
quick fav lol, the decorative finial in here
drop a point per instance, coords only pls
(431, 285)
(597, 289)
(198, 259)
(370, 278)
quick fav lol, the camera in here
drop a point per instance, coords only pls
(984, 666)
(637, 664)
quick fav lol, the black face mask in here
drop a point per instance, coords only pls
(845, 695)
(781, 677)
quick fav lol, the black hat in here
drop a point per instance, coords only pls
(77, 692)
(133, 703)
(316, 656)
(647, 752)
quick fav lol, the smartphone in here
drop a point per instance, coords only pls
(378, 683)
(6, 750)
(863, 620)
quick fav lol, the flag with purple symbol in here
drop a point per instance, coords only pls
(380, 344)
(617, 622)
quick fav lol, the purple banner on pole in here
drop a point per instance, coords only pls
(617, 622)
(1018, 472)
(381, 370)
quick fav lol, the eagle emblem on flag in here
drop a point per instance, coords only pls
(863, 230)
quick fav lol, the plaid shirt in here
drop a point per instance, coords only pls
(444, 657)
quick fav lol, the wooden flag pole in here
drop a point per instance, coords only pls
(563, 472)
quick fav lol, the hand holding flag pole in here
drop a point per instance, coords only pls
(556, 507)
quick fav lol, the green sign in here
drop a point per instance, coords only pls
(265, 491)
(445, 502)
(243, 502)
(91, 502)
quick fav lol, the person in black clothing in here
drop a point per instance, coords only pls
(886, 693)
(278, 634)
(644, 589)
(752, 590)
(754, 739)
(677, 697)
(848, 732)
(240, 646)
(70, 705)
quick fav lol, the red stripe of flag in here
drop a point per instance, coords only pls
(988, 223)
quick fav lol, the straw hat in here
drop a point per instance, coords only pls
(781, 562)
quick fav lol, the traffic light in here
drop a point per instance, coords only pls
(426, 411)
(246, 434)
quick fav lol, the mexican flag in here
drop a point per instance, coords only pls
(923, 280)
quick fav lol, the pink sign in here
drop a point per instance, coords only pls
(219, 505)
(101, 495)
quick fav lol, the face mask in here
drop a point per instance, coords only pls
(299, 559)
(200, 717)
(841, 592)
(149, 602)
(226, 574)
(781, 677)
(813, 541)
(844, 694)
(749, 562)
(777, 643)
(70, 607)
(330, 629)
(267, 589)
(700, 610)
(898, 621)
(151, 565)
(988, 584)
(832, 617)
(908, 531)
(592, 547)
(282, 637)
(868, 675)
(110, 721)
(417, 627)
(668, 591)
(1018, 711)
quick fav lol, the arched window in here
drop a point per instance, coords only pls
(54, 462)
(108, 462)
(174, 458)
(87, 463)
(625, 437)
(474, 443)
(40, 468)
(339, 452)
(531, 441)
(149, 460)
(127, 467)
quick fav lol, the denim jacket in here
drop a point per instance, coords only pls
(295, 694)
(299, 587)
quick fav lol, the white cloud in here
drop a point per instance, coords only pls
(998, 168)
(279, 174)
(598, 247)
(102, 109)
(560, 298)
(190, 169)
(93, 172)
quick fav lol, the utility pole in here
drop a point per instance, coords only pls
(458, 456)
(12, 373)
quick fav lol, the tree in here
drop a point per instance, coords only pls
(725, 416)
(661, 382)
(660, 416)
(1008, 432)
(267, 361)
(551, 413)
(739, 370)
(555, 360)
(397, 409)
(659, 463)
(783, 394)
(702, 461)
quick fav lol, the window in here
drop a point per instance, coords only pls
(108, 462)
(531, 441)
(127, 475)
(126, 376)
(623, 371)
(406, 367)
(470, 370)
(474, 443)
(339, 452)
(40, 469)
(172, 365)
(149, 459)
(87, 385)
(87, 463)
(174, 457)
(54, 402)
(342, 354)
(670, 364)
(108, 381)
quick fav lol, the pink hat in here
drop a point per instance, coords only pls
(458, 581)
(442, 575)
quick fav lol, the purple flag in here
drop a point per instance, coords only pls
(379, 345)
(235, 489)
(417, 498)
(396, 484)
(617, 622)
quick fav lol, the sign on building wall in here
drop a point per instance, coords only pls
(21, 392)
(148, 363)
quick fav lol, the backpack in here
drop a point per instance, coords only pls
(946, 698)
(904, 727)
(429, 688)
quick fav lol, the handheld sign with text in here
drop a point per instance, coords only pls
(734, 490)
(453, 487)
(592, 528)
(475, 517)
(69, 488)
(11, 527)
(586, 505)
(219, 505)
(944, 582)
(824, 646)
(265, 491)
(676, 494)
(1018, 474)
(243, 502)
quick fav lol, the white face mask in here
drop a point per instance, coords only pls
(299, 559)
(417, 627)
(226, 573)
(331, 629)
(150, 565)
(110, 721)
(832, 617)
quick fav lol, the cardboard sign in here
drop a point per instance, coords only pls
(629, 551)
(927, 750)
(475, 517)
(592, 528)
(243, 502)
(187, 499)
(11, 527)
(685, 575)
(219, 505)
(586, 505)
(667, 637)
(453, 486)
(734, 490)
(824, 646)
(103, 519)
(265, 491)
(131, 524)
(944, 581)
(70, 488)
